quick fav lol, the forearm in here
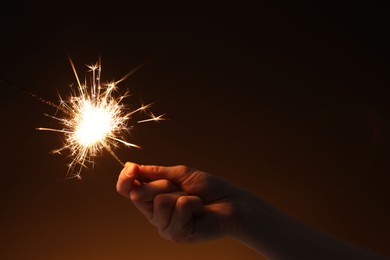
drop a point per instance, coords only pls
(278, 236)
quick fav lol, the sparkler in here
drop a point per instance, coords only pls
(94, 119)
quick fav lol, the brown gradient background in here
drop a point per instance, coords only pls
(291, 102)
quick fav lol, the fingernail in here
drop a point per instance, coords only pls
(131, 170)
(128, 170)
(127, 164)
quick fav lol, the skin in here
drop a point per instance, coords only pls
(187, 205)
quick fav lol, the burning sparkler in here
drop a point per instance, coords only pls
(95, 118)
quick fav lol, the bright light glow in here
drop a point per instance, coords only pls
(94, 123)
(95, 119)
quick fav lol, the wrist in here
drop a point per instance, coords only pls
(257, 222)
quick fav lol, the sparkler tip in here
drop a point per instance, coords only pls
(96, 119)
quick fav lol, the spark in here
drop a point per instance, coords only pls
(95, 119)
(153, 118)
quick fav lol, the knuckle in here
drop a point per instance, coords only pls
(183, 202)
(161, 201)
(165, 184)
(135, 195)
(189, 204)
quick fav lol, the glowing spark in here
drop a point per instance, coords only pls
(153, 118)
(95, 119)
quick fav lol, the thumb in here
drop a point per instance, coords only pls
(127, 179)
(176, 174)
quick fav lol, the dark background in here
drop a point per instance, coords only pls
(289, 101)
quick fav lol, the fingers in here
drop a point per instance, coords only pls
(132, 174)
(147, 191)
(174, 215)
(186, 208)
(176, 174)
(163, 208)
(172, 199)
(181, 225)
(170, 210)
(127, 179)
(143, 195)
